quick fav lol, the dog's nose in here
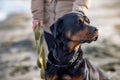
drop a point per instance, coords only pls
(93, 29)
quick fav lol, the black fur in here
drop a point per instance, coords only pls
(60, 62)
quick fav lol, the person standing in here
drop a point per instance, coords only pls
(46, 12)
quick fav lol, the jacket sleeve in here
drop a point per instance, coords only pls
(81, 5)
(37, 8)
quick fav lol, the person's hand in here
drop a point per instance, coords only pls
(36, 22)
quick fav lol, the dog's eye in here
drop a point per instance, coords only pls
(86, 19)
(81, 19)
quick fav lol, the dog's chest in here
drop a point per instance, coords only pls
(67, 76)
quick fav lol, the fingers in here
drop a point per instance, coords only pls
(35, 22)
(41, 23)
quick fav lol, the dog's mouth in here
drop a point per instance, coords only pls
(89, 38)
(95, 38)
(92, 37)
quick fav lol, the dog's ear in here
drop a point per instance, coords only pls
(56, 28)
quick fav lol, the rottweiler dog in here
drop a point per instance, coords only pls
(65, 58)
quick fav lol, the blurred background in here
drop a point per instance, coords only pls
(17, 45)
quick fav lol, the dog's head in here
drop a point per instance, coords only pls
(74, 27)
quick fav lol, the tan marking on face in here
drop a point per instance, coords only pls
(81, 19)
(84, 35)
(78, 36)
(72, 46)
(68, 34)
(86, 19)
(81, 35)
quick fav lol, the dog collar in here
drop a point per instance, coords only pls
(76, 60)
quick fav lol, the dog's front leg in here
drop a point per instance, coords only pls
(77, 78)
(55, 77)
